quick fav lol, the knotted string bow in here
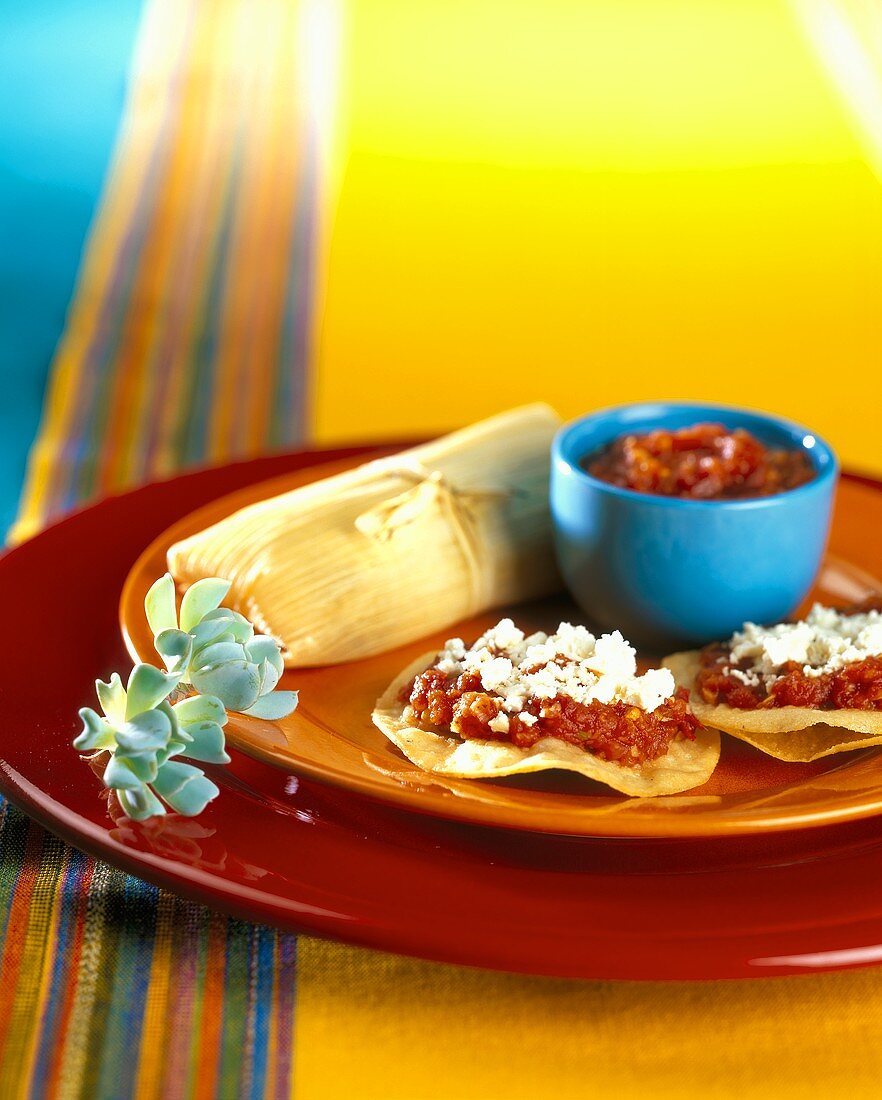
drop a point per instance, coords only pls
(428, 489)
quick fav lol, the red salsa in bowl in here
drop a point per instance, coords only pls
(701, 462)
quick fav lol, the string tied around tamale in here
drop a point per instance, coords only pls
(427, 489)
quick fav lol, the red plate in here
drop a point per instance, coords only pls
(307, 857)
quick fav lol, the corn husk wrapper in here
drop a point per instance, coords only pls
(795, 734)
(375, 557)
(686, 764)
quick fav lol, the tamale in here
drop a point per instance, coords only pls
(378, 556)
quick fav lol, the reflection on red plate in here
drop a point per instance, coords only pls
(280, 848)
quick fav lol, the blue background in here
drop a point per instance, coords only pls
(63, 70)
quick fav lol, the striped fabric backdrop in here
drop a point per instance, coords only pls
(189, 335)
(187, 342)
(112, 988)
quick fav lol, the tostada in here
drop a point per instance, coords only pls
(510, 703)
(796, 690)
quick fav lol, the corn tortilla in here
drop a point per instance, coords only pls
(795, 734)
(685, 765)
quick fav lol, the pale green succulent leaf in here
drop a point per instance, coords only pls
(148, 686)
(237, 625)
(269, 677)
(173, 748)
(159, 603)
(177, 730)
(112, 697)
(148, 731)
(265, 648)
(185, 788)
(192, 799)
(228, 614)
(178, 739)
(218, 653)
(120, 776)
(143, 765)
(207, 744)
(201, 598)
(208, 631)
(235, 683)
(264, 651)
(175, 647)
(97, 734)
(278, 704)
(200, 708)
(140, 804)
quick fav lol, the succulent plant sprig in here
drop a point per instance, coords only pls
(210, 651)
(144, 734)
(216, 650)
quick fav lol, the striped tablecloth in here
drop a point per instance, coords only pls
(190, 340)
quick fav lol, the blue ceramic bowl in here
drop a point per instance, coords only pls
(669, 572)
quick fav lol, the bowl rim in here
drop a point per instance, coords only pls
(827, 469)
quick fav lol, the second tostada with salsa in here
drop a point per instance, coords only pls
(797, 690)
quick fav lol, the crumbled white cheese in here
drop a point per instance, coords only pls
(572, 662)
(505, 635)
(454, 651)
(824, 641)
(749, 678)
(499, 724)
(648, 690)
(496, 673)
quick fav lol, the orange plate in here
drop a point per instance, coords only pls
(330, 737)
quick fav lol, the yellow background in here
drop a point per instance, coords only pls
(592, 203)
